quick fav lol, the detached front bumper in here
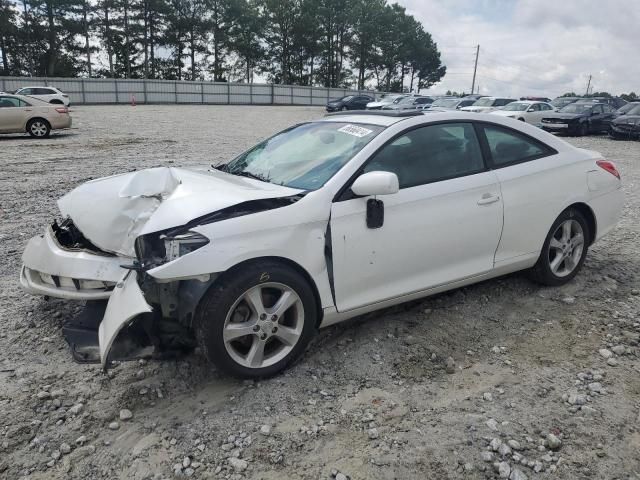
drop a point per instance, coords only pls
(49, 269)
(78, 274)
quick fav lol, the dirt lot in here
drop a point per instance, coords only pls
(531, 394)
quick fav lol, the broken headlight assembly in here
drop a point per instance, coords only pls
(178, 245)
(162, 247)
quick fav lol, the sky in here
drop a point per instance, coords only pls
(534, 47)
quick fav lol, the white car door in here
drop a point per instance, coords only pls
(534, 186)
(443, 225)
(534, 114)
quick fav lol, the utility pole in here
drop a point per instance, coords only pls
(588, 84)
(475, 68)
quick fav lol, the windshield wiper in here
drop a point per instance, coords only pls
(255, 176)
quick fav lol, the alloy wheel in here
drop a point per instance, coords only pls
(565, 248)
(263, 325)
(38, 129)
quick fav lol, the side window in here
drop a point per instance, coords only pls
(10, 102)
(545, 106)
(43, 91)
(430, 154)
(509, 147)
(535, 107)
(597, 109)
(26, 91)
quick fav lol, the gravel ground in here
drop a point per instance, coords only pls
(499, 380)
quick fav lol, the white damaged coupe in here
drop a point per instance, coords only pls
(322, 222)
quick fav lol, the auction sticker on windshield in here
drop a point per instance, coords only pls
(355, 130)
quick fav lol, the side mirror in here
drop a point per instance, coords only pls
(376, 183)
(530, 110)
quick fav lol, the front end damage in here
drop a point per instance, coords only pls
(154, 318)
(115, 231)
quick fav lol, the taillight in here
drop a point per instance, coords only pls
(62, 110)
(609, 167)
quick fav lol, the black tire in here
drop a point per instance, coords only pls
(38, 128)
(583, 130)
(215, 306)
(541, 271)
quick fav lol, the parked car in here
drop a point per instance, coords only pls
(449, 104)
(525, 111)
(579, 119)
(350, 102)
(560, 102)
(322, 222)
(19, 114)
(627, 125)
(488, 104)
(385, 99)
(410, 103)
(46, 94)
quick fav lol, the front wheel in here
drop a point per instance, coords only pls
(256, 320)
(564, 250)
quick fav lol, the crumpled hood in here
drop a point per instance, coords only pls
(112, 212)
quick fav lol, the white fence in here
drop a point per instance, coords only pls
(109, 90)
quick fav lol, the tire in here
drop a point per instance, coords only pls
(38, 128)
(231, 303)
(572, 244)
(583, 130)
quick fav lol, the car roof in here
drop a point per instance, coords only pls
(382, 118)
(38, 86)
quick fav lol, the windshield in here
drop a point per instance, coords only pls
(446, 102)
(346, 99)
(517, 107)
(561, 102)
(484, 102)
(628, 107)
(635, 110)
(304, 156)
(407, 99)
(576, 108)
(399, 99)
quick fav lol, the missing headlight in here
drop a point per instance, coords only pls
(178, 245)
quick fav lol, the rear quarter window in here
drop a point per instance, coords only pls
(509, 147)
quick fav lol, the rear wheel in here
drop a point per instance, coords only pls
(564, 250)
(39, 128)
(257, 320)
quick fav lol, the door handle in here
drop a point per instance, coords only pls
(488, 198)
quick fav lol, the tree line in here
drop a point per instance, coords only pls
(331, 43)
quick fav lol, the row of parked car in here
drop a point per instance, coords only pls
(568, 115)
